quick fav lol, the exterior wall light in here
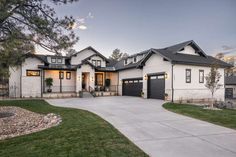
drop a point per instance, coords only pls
(92, 78)
(145, 77)
(166, 76)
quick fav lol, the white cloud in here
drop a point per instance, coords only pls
(82, 27)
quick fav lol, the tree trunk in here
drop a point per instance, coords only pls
(212, 101)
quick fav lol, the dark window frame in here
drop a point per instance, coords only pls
(33, 71)
(100, 62)
(126, 61)
(186, 75)
(53, 58)
(59, 59)
(68, 75)
(60, 75)
(135, 59)
(94, 62)
(96, 79)
(201, 81)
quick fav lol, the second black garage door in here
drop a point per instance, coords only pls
(132, 87)
(156, 86)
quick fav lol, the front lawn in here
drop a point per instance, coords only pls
(81, 133)
(225, 117)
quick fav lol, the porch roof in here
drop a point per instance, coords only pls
(58, 67)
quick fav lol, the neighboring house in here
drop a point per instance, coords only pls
(230, 87)
(172, 73)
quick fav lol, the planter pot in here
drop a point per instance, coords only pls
(49, 90)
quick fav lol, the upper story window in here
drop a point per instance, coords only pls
(126, 61)
(135, 59)
(32, 72)
(53, 60)
(97, 63)
(188, 75)
(59, 60)
(201, 76)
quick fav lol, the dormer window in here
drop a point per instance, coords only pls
(53, 60)
(59, 60)
(135, 59)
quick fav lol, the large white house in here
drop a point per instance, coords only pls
(172, 73)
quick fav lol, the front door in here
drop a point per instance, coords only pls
(83, 81)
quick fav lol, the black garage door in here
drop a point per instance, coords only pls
(156, 86)
(132, 87)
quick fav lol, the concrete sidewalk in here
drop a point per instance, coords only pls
(156, 131)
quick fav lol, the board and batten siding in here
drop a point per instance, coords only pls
(195, 89)
(126, 74)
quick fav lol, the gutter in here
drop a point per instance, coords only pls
(172, 83)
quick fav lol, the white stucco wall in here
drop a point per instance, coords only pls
(85, 69)
(14, 81)
(129, 73)
(31, 85)
(155, 64)
(80, 56)
(194, 90)
(68, 85)
(189, 50)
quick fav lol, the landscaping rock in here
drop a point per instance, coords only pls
(23, 122)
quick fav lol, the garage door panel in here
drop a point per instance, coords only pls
(156, 87)
(132, 87)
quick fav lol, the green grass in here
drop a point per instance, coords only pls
(225, 117)
(81, 133)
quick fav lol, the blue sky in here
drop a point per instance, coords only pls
(136, 25)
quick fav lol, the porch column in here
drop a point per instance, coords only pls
(60, 78)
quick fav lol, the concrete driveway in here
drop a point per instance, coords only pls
(158, 132)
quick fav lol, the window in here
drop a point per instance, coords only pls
(99, 79)
(94, 62)
(61, 75)
(126, 61)
(59, 60)
(32, 72)
(135, 59)
(68, 75)
(201, 76)
(53, 60)
(188, 75)
(98, 63)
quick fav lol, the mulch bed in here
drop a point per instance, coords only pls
(15, 121)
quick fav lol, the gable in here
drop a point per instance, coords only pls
(189, 50)
(79, 57)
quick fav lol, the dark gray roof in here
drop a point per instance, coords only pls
(178, 58)
(58, 67)
(230, 80)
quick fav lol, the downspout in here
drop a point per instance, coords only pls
(118, 81)
(172, 82)
(21, 82)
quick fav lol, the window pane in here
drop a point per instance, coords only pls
(59, 60)
(32, 72)
(68, 75)
(188, 75)
(99, 63)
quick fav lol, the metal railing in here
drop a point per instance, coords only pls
(57, 89)
(112, 88)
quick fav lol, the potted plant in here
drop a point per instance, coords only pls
(49, 83)
(142, 94)
(166, 96)
(107, 84)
